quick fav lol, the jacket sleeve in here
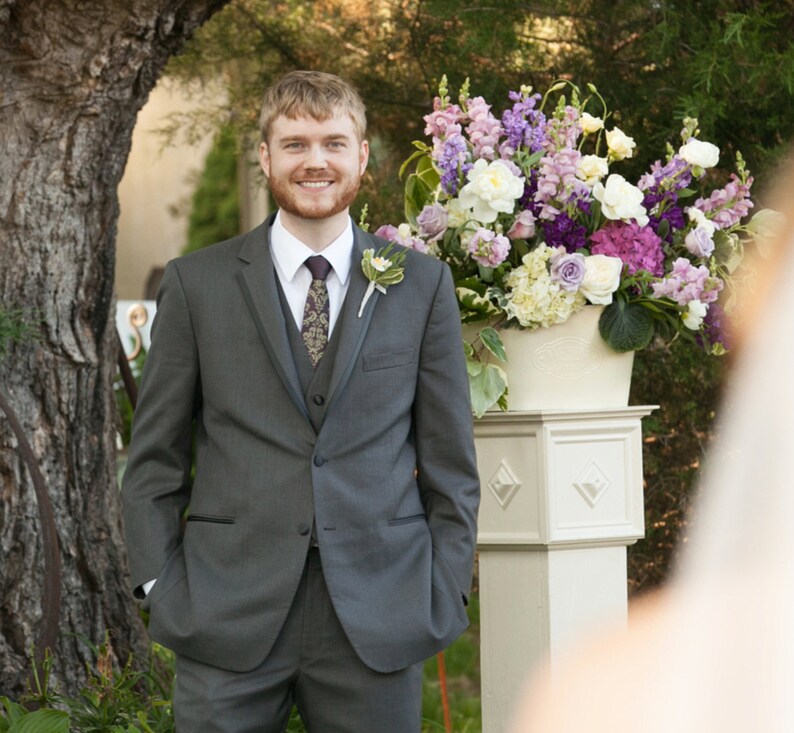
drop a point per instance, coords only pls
(156, 483)
(446, 460)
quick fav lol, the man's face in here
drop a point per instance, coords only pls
(314, 168)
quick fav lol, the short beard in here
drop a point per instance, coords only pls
(341, 202)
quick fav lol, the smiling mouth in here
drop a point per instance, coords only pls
(314, 184)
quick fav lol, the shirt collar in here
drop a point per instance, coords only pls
(290, 253)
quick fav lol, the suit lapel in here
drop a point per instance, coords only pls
(352, 328)
(258, 282)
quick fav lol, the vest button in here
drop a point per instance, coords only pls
(318, 461)
(318, 400)
(304, 528)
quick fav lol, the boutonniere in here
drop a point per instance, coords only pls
(382, 269)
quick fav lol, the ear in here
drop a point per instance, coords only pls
(363, 156)
(264, 159)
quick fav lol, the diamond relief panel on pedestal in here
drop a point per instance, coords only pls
(592, 483)
(503, 484)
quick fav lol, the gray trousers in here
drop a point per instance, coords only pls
(313, 666)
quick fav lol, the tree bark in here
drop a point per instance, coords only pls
(73, 75)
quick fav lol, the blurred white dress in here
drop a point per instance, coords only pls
(714, 650)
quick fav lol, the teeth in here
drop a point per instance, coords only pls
(315, 184)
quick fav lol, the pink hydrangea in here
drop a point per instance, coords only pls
(488, 248)
(730, 204)
(639, 247)
(484, 130)
(686, 283)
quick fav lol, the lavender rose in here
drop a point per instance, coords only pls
(568, 270)
(432, 221)
(699, 242)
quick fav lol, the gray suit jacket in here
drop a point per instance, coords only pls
(383, 463)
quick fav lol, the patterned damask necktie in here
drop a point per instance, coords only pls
(316, 311)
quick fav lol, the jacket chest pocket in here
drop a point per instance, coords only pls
(388, 359)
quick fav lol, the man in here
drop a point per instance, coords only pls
(330, 525)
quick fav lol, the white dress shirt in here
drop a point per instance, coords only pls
(289, 255)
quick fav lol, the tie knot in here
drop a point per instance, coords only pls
(318, 266)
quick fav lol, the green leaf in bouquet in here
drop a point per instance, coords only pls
(417, 193)
(486, 388)
(686, 193)
(422, 150)
(493, 342)
(626, 326)
(496, 296)
(472, 302)
(664, 228)
(728, 250)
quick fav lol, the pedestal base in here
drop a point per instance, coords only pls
(561, 500)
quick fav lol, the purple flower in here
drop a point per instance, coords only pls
(564, 231)
(699, 242)
(558, 183)
(716, 328)
(686, 283)
(401, 235)
(488, 248)
(568, 270)
(639, 247)
(432, 221)
(453, 163)
(730, 204)
(484, 130)
(523, 125)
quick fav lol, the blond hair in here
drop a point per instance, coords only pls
(314, 94)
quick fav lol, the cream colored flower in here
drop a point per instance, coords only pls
(591, 169)
(621, 200)
(699, 153)
(694, 314)
(492, 188)
(590, 124)
(620, 144)
(601, 278)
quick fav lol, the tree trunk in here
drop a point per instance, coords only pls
(73, 75)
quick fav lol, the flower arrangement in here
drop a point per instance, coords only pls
(535, 224)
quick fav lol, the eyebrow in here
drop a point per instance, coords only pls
(326, 138)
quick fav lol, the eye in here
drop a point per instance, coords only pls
(336, 144)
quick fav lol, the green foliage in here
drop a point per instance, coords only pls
(128, 700)
(112, 700)
(215, 206)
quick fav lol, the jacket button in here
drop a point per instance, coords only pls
(318, 461)
(304, 528)
(318, 400)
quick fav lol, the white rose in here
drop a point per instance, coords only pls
(601, 278)
(492, 188)
(620, 144)
(621, 200)
(694, 314)
(701, 154)
(590, 124)
(591, 169)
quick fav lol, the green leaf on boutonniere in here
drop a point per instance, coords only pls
(626, 326)
(381, 269)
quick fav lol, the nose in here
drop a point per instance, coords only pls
(315, 159)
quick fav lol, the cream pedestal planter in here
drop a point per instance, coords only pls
(561, 500)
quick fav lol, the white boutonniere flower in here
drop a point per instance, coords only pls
(382, 269)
